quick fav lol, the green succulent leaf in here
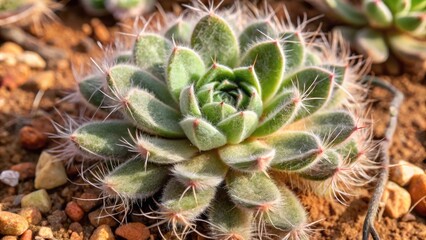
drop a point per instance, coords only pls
(248, 75)
(90, 89)
(177, 199)
(238, 126)
(150, 53)
(216, 73)
(350, 151)
(332, 127)
(398, 6)
(152, 115)
(372, 44)
(290, 155)
(188, 102)
(347, 12)
(184, 68)
(255, 32)
(378, 13)
(228, 220)
(250, 156)
(201, 172)
(214, 39)
(202, 134)
(418, 5)
(180, 32)
(102, 139)
(414, 23)
(121, 78)
(164, 151)
(269, 64)
(252, 190)
(407, 48)
(135, 180)
(217, 111)
(294, 49)
(323, 168)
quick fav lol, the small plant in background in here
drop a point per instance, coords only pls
(120, 9)
(220, 116)
(377, 28)
(24, 12)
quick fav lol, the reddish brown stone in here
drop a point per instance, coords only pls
(26, 170)
(32, 138)
(74, 211)
(27, 235)
(133, 231)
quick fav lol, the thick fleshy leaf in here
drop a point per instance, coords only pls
(238, 126)
(315, 86)
(372, 44)
(255, 32)
(324, 167)
(216, 73)
(252, 190)
(202, 134)
(188, 102)
(332, 127)
(418, 5)
(347, 12)
(122, 78)
(215, 40)
(205, 93)
(350, 151)
(378, 14)
(251, 156)
(90, 88)
(152, 115)
(269, 63)
(280, 111)
(339, 94)
(135, 180)
(248, 75)
(294, 49)
(290, 154)
(180, 32)
(177, 199)
(103, 139)
(201, 172)
(398, 6)
(217, 111)
(407, 48)
(287, 216)
(312, 59)
(164, 151)
(414, 23)
(151, 52)
(228, 220)
(184, 68)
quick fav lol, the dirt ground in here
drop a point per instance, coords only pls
(71, 35)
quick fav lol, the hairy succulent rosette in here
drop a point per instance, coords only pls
(380, 27)
(120, 9)
(219, 116)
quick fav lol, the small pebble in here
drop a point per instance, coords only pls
(76, 227)
(9, 177)
(11, 47)
(397, 200)
(403, 171)
(100, 217)
(45, 232)
(103, 232)
(26, 170)
(31, 214)
(9, 238)
(27, 235)
(12, 224)
(74, 211)
(76, 236)
(56, 219)
(101, 32)
(87, 201)
(32, 59)
(44, 80)
(50, 172)
(133, 231)
(38, 199)
(417, 189)
(31, 138)
(408, 218)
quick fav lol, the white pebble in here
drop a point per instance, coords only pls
(10, 177)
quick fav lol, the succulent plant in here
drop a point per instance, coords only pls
(24, 12)
(377, 28)
(220, 116)
(118, 8)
